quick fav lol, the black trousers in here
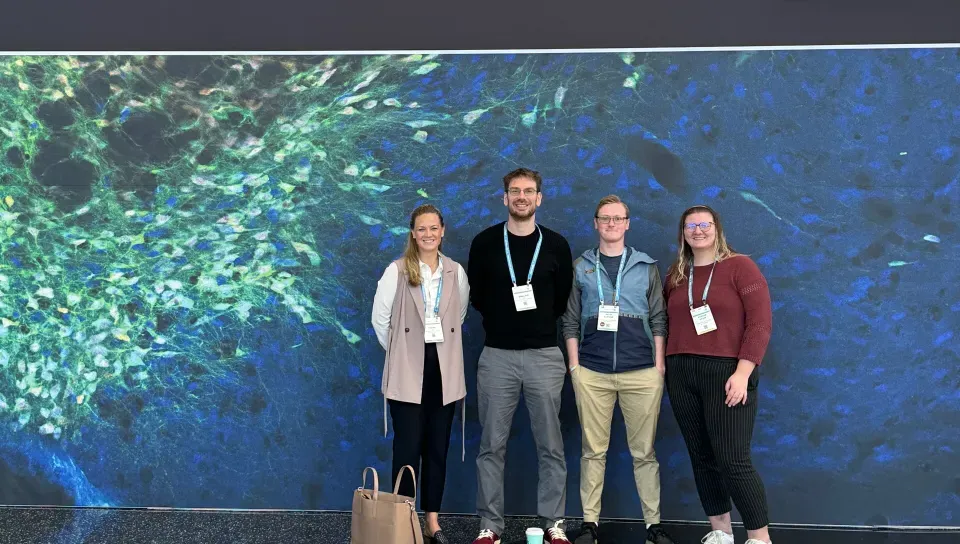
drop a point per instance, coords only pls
(421, 436)
(717, 436)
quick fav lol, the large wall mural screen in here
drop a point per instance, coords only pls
(189, 247)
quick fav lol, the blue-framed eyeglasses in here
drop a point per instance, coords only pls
(703, 226)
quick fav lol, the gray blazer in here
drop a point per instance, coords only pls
(403, 364)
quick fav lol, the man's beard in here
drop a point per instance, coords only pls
(531, 209)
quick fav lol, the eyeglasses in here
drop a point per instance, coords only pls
(513, 191)
(606, 219)
(703, 226)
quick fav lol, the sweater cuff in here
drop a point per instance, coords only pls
(752, 356)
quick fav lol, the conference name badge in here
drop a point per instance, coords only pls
(523, 297)
(703, 320)
(433, 331)
(608, 318)
(522, 294)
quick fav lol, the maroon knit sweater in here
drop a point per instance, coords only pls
(740, 302)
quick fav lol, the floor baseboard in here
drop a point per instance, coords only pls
(39, 525)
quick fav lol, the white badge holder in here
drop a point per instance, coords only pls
(703, 320)
(609, 318)
(433, 330)
(523, 298)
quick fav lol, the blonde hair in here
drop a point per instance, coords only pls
(678, 270)
(612, 199)
(411, 255)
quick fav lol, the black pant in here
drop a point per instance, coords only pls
(421, 434)
(717, 436)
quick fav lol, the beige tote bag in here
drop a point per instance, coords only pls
(385, 517)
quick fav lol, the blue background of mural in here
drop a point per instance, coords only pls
(837, 171)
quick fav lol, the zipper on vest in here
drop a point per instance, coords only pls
(615, 348)
(599, 266)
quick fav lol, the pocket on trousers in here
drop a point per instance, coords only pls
(579, 375)
(484, 358)
(550, 358)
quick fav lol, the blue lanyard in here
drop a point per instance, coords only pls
(706, 288)
(533, 263)
(436, 304)
(616, 296)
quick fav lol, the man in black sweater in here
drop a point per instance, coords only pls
(520, 277)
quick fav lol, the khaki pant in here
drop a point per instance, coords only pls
(640, 392)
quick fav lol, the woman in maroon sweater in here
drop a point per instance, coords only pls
(713, 351)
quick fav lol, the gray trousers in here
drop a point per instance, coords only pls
(501, 375)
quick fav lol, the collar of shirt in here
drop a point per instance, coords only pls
(425, 270)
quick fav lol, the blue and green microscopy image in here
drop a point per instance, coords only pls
(190, 245)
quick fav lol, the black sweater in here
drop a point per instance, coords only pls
(491, 289)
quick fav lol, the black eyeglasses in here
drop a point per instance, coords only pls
(606, 219)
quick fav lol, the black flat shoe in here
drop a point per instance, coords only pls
(657, 535)
(437, 538)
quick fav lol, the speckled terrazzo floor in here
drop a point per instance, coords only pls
(116, 526)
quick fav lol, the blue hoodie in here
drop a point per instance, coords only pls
(643, 313)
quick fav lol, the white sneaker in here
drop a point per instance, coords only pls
(717, 537)
(755, 541)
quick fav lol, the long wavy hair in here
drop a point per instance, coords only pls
(411, 254)
(678, 270)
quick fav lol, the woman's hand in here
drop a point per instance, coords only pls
(736, 387)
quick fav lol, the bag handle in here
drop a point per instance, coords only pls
(413, 475)
(376, 482)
